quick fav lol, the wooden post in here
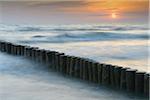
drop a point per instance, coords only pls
(15, 49)
(62, 63)
(43, 55)
(130, 78)
(0, 45)
(81, 67)
(90, 74)
(18, 47)
(22, 50)
(139, 83)
(3, 46)
(47, 58)
(81, 64)
(117, 74)
(77, 67)
(12, 49)
(9, 48)
(68, 64)
(37, 55)
(30, 52)
(123, 81)
(25, 50)
(95, 72)
(54, 59)
(112, 76)
(72, 65)
(106, 74)
(58, 61)
(146, 85)
(34, 54)
(100, 67)
(64, 69)
(85, 69)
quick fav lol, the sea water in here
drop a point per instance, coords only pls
(118, 44)
(22, 79)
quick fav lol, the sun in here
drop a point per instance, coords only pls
(113, 15)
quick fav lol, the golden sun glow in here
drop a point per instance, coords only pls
(113, 15)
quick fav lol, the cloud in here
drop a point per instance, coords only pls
(57, 3)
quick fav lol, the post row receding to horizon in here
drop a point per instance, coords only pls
(114, 76)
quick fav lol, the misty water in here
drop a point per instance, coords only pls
(123, 45)
(21, 79)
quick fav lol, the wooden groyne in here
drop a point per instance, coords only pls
(117, 77)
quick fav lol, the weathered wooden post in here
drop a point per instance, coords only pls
(0, 45)
(57, 60)
(139, 83)
(117, 74)
(62, 63)
(146, 85)
(112, 76)
(77, 67)
(40, 56)
(22, 49)
(25, 51)
(95, 72)
(15, 49)
(106, 74)
(12, 49)
(53, 53)
(85, 69)
(130, 80)
(68, 64)
(90, 74)
(81, 67)
(72, 65)
(37, 54)
(18, 47)
(50, 58)
(8, 48)
(123, 81)
(43, 56)
(30, 52)
(34, 54)
(3, 47)
(64, 68)
(100, 67)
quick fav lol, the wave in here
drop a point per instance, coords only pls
(34, 28)
(94, 36)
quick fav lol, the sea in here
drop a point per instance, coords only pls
(124, 45)
(21, 79)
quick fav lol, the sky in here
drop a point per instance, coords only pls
(73, 11)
